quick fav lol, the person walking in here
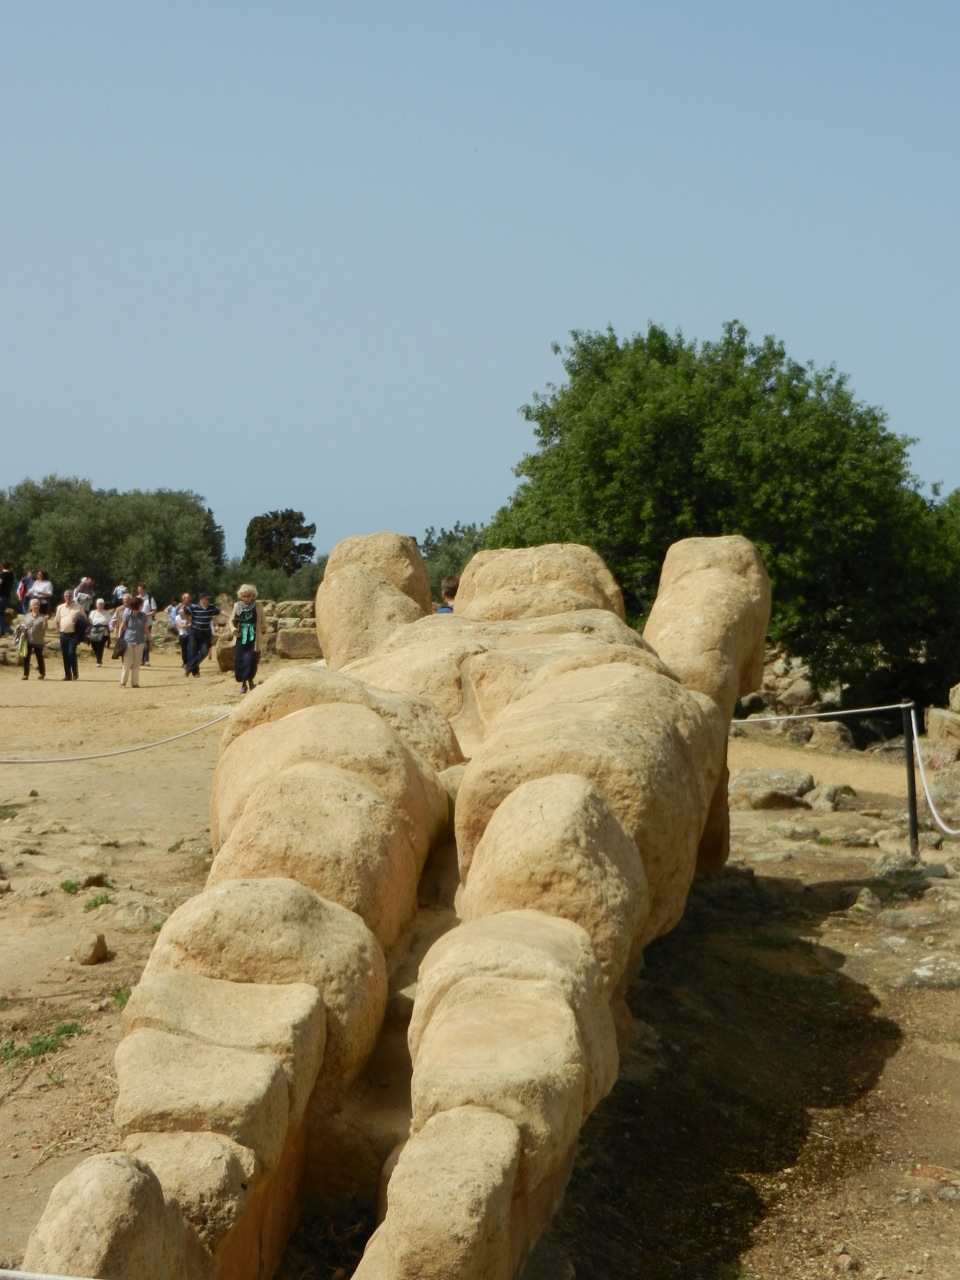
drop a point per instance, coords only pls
(181, 623)
(98, 632)
(149, 608)
(33, 625)
(248, 620)
(133, 632)
(42, 590)
(201, 617)
(24, 587)
(70, 619)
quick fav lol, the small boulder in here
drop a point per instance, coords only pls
(769, 789)
(90, 947)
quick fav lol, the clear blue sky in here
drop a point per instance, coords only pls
(313, 254)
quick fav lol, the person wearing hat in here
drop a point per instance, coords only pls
(201, 617)
(98, 632)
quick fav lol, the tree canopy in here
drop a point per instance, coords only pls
(445, 553)
(274, 540)
(167, 538)
(655, 438)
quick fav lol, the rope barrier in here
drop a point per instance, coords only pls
(923, 780)
(120, 751)
(35, 1275)
(819, 715)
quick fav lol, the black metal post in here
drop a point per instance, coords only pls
(908, 740)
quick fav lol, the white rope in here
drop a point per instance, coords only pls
(120, 751)
(923, 778)
(35, 1275)
(820, 715)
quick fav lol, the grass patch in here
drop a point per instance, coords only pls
(177, 844)
(7, 812)
(40, 1045)
(56, 1078)
(69, 886)
(120, 996)
(101, 900)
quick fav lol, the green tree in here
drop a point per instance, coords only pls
(167, 538)
(272, 540)
(654, 439)
(273, 584)
(445, 553)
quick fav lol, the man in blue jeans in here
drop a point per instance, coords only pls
(201, 631)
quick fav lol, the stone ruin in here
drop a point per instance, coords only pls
(438, 860)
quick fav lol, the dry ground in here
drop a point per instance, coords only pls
(791, 1108)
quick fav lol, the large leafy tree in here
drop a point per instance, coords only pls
(275, 540)
(656, 438)
(167, 538)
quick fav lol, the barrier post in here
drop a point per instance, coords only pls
(908, 741)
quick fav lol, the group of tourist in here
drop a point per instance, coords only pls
(84, 616)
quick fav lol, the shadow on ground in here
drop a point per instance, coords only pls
(746, 1028)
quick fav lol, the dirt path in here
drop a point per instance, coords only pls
(792, 1105)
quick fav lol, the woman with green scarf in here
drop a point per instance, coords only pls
(247, 621)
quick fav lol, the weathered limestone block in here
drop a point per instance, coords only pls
(528, 948)
(391, 556)
(449, 1199)
(769, 788)
(528, 582)
(298, 642)
(709, 623)
(300, 609)
(347, 737)
(472, 670)
(277, 931)
(356, 610)
(831, 735)
(426, 658)
(709, 620)
(287, 1022)
(209, 1175)
(508, 1046)
(554, 845)
(170, 1082)
(416, 719)
(89, 947)
(653, 749)
(109, 1217)
(943, 726)
(326, 829)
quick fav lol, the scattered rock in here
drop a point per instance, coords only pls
(787, 831)
(89, 947)
(769, 788)
(867, 903)
(890, 865)
(829, 796)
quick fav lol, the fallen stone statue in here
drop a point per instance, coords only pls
(438, 859)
